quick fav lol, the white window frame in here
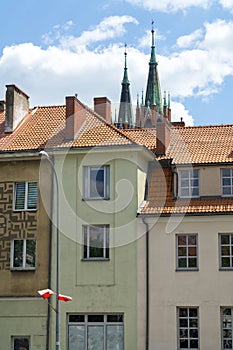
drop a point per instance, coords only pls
(87, 180)
(190, 178)
(23, 267)
(187, 328)
(105, 323)
(106, 243)
(231, 182)
(186, 246)
(227, 256)
(13, 338)
(226, 328)
(26, 196)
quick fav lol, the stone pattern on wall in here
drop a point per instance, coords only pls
(13, 225)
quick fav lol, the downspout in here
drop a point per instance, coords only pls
(147, 284)
(50, 259)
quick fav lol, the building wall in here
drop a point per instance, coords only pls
(100, 286)
(208, 288)
(22, 311)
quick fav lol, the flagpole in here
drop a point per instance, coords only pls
(45, 154)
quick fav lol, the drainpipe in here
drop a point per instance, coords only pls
(147, 284)
(50, 261)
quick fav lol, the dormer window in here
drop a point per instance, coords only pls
(227, 181)
(189, 183)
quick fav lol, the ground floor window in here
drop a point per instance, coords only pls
(226, 316)
(20, 343)
(188, 332)
(95, 332)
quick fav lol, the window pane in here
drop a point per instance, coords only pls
(192, 240)
(76, 337)
(31, 253)
(20, 196)
(226, 190)
(95, 337)
(18, 253)
(182, 240)
(21, 343)
(115, 338)
(182, 251)
(225, 239)
(97, 182)
(226, 262)
(226, 172)
(192, 312)
(115, 318)
(32, 195)
(182, 262)
(192, 262)
(95, 318)
(96, 242)
(76, 318)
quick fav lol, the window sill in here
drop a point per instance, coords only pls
(96, 199)
(187, 269)
(225, 268)
(22, 269)
(95, 259)
(19, 210)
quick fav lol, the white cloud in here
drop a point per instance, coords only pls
(227, 4)
(146, 39)
(110, 28)
(171, 5)
(180, 112)
(190, 40)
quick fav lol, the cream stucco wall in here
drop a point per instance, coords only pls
(101, 286)
(208, 288)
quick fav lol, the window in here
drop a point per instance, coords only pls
(188, 332)
(227, 182)
(23, 254)
(226, 251)
(189, 183)
(96, 242)
(227, 330)
(96, 182)
(20, 343)
(26, 194)
(186, 246)
(97, 332)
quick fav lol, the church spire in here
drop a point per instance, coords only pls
(153, 92)
(125, 111)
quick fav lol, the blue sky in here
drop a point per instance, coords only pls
(52, 49)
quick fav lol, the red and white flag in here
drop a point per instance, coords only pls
(46, 293)
(64, 297)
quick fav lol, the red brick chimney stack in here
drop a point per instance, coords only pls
(102, 106)
(75, 117)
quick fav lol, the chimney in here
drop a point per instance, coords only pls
(2, 105)
(102, 106)
(17, 107)
(163, 132)
(75, 117)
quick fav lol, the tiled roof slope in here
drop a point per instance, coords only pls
(161, 202)
(44, 127)
(192, 145)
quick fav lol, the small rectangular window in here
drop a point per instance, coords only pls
(227, 329)
(23, 254)
(227, 181)
(96, 182)
(189, 183)
(226, 250)
(188, 328)
(186, 252)
(25, 196)
(96, 242)
(20, 343)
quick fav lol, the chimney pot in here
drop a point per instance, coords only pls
(102, 106)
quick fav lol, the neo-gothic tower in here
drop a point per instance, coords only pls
(125, 117)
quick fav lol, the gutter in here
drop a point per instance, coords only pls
(147, 285)
(50, 260)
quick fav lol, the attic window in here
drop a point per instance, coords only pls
(189, 183)
(227, 182)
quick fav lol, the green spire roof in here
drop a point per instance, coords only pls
(125, 111)
(153, 92)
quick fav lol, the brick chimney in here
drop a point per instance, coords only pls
(102, 106)
(163, 133)
(75, 117)
(17, 107)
